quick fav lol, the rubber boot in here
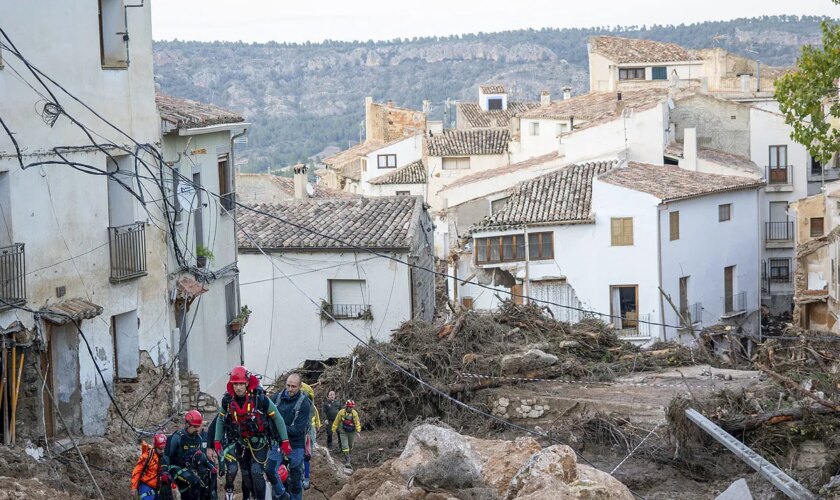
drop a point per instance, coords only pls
(228, 495)
(347, 459)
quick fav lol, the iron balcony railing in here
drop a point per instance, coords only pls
(779, 175)
(629, 328)
(779, 270)
(350, 311)
(735, 303)
(12, 276)
(692, 312)
(778, 231)
(128, 251)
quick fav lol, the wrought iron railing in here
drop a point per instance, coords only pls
(779, 270)
(228, 201)
(128, 251)
(12, 276)
(692, 312)
(350, 311)
(629, 328)
(779, 175)
(735, 303)
(778, 231)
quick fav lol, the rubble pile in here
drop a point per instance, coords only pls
(438, 463)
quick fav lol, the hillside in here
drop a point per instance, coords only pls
(303, 98)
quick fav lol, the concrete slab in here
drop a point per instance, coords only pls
(739, 490)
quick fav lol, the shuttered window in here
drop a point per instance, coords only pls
(659, 73)
(622, 231)
(456, 163)
(674, 225)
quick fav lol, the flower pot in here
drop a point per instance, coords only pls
(235, 326)
(200, 261)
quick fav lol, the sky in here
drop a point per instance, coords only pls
(317, 20)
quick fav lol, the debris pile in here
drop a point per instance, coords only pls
(437, 463)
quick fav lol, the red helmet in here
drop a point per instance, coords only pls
(283, 472)
(239, 375)
(350, 403)
(194, 418)
(160, 440)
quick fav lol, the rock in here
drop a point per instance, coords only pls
(531, 359)
(504, 401)
(438, 457)
(811, 455)
(568, 344)
(739, 490)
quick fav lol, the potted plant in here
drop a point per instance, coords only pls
(241, 319)
(202, 255)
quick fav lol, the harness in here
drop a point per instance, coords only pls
(348, 423)
(247, 418)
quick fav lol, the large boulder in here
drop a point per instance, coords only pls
(438, 457)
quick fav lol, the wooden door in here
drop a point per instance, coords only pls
(728, 290)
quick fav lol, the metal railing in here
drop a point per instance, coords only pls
(779, 270)
(128, 251)
(692, 312)
(735, 303)
(778, 231)
(350, 311)
(12, 276)
(779, 175)
(629, 328)
(228, 201)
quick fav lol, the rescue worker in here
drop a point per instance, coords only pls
(192, 472)
(312, 434)
(249, 413)
(228, 458)
(348, 425)
(293, 404)
(330, 410)
(150, 479)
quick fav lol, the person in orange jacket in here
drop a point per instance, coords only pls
(150, 473)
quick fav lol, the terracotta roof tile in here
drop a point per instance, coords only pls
(185, 113)
(69, 310)
(671, 183)
(561, 197)
(597, 106)
(492, 89)
(353, 152)
(675, 149)
(507, 169)
(383, 222)
(637, 50)
(478, 118)
(469, 142)
(413, 173)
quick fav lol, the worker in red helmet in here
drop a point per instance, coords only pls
(149, 476)
(193, 472)
(255, 422)
(347, 425)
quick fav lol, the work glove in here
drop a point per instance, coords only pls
(218, 447)
(214, 471)
(286, 447)
(165, 478)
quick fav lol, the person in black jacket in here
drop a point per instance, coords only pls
(330, 409)
(191, 469)
(294, 407)
(228, 459)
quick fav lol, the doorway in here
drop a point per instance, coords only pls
(624, 306)
(60, 365)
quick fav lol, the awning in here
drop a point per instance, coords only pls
(69, 310)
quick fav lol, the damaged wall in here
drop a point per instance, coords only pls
(721, 125)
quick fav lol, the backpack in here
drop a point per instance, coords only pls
(299, 403)
(168, 449)
(348, 423)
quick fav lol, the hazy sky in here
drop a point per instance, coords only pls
(316, 20)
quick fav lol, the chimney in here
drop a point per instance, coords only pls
(567, 93)
(434, 127)
(545, 98)
(690, 149)
(390, 103)
(300, 181)
(427, 106)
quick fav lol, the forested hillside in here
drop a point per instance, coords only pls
(305, 98)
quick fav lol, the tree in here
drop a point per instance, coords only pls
(808, 96)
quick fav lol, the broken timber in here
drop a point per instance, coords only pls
(780, 480)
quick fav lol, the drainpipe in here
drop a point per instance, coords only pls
(660, 210)
(760, 243)
(526, 290)
(235, 243)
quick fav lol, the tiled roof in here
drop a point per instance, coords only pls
(507, 169)
(492, 89)
(413, 173)
(478, 118)
(353, 152)
(632, 50)
(185, 113)
(469, 142)
(671, 183)
(69, 310)
(597, 106)
(675, 149)
(561, 197)
(385, 222)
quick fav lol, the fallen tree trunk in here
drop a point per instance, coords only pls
(795, 387)
(752, 422)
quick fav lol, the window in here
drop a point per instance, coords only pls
(498, 205)
(225, 182)
(534, 128)
(386, 161)
(631, 74)
(621, 229)
(541, 246)
(495, 104)
(816, 167)
(780, 270)
(510, 248)
(403, 193)
(113, 35)
(724, 212)
(729, 289)
(231, 308)
(659, 73)
(456, 163)
(562, 128)
(349, 299)
(778, 156)
(125, 329)
(817, 229)
(674, 225)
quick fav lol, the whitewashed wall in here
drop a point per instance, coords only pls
(408, 150)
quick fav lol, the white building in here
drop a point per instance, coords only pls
(493, 109)
(368, 294)
(606, 238)
(408, 180)
(197, 142)
(80, 249)
(389, 163)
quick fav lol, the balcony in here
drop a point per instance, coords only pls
(693, 313)
(630, 329)
(128, 251)
(12, 276)
(350, 311)
(778, 234)
(779, 178)
(734, 305)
